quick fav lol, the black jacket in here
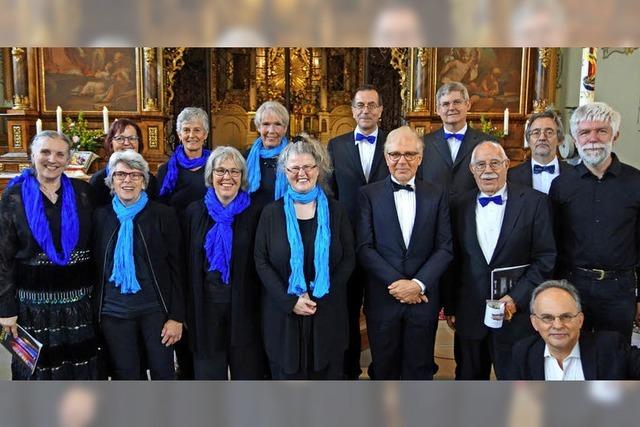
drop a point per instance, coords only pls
(281, 329)
(157, 239)
(603, 354)
(245, 285)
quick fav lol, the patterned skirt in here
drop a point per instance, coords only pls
(63, 323)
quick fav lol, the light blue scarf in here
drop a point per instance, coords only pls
(254, 177)
(124, 267)
(297, 284)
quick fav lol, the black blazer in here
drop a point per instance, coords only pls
(604, 356)
(526, 237)
(522, 174)
(281, 327)
(381, 249)
(245, 284)
(157, 235)
(438, 169)
(347, 174)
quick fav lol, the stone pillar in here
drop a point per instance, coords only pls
(150, 98)
(20, 78)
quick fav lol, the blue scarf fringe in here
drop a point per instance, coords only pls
(218, 243)
(124, 267)
(37, 219)
(297, 284)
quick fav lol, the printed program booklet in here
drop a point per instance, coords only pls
(504, 279)
(25, 347)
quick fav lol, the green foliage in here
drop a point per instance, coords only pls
(487, 127)
(82, 138)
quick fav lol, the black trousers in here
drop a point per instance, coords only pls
(608, 305)
(333, 371)
(126, 338)
(402, 342)
(246, 362)
(355, 291)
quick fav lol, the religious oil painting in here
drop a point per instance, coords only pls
(87, 79)
(494, 77)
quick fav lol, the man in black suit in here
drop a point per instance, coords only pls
(447, 151)
(404, 245)
(560, 351)
(543, 132)
(496, 225)
(357, 159)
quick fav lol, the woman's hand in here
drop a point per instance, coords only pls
(304, 306)
(171, 332)
(10, 324)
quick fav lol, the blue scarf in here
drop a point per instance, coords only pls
(124, 267)
(258, 152)
(218, 243)
(37, 219)
(179, 158)
(297, 284)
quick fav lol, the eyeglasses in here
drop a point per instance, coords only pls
(134, 176)
(122, 138)
(493, 164)
(455, 103)
(233, 173)
(564, 318)
(409, 156)
(361, 106)
(548, 133)
(306, 168)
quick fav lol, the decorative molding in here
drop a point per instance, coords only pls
(150, 104)
(153, 137)
(540, 105)
(173, 62)
(424, 55)
(608, 51)
(544, 55)
(23, 166)
(149, 54)
(399, 58)
(20, 102)
(18, 53)
(16, 132)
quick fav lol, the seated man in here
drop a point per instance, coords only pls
(561, 352)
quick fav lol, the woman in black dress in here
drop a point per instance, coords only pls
(46, 268)
(139, 300)
(304, 255)
(124, 134)
(224, 297)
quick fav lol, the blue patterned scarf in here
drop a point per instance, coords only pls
(218, 243)
(258, 152)
(37, 219)
(124, 267)
(180, 159)
(297, 284)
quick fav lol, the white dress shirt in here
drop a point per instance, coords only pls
(571, 369)
(366, 151)
(489, 222)
(454, 144)
(405, 202)
(542, 181)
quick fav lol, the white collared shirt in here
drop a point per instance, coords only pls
(405, 202)
(542, 181)
(489, 222)
(571, 369)
(366, 151)
(454, 144)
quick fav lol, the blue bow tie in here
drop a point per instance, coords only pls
(458, 136)
(398, 187)
(484, 201)
(539, 169)
(370, 138)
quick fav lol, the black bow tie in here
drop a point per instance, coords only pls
(398, 187)
(539, 169)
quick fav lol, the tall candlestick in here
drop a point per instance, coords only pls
(506, 122)
(105, 119)
(38, 126)
(59, 119)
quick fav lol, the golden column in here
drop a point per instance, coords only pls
(150, 79)
(545, 78)
(20, 78)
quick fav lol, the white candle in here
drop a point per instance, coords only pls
(506, 121)
(59, 119)
(105, 119)
(38, 126)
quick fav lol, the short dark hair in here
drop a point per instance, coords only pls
(550, 114)
(365, 87)
(119, 126)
